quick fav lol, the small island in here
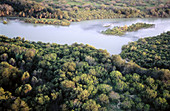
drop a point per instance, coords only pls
(122, 30)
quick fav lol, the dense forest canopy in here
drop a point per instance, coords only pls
(42, 76)
(149, 52)
(77, 10)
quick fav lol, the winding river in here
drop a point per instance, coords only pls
(86, 32)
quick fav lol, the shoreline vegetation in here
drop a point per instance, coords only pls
(119, 31)
(47, 21)
(48, 76)
(149, 52)
(63, 12)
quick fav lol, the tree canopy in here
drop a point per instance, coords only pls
(42, 76)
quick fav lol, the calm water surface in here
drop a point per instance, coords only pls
(86, 32)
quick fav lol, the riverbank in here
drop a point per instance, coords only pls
(47, 21)
(63, 12)
(149, 52)
(86, 32)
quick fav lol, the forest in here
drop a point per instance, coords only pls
(149, 52)
(65, 11)
(48, 76)
(119, 31)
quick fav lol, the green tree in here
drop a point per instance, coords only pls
(20, 105)
(150, 81)
(23, 89)
(103, 99)
(67, 85)
(104, 88)
(4, 94)
(161, 103)
(114, 96)
(12, 61)
(69, 66)
(4, 57)
(116, 75)
(25, 77)
(150, 94)
(83, 95)
(9, 75)
(139, 106)
(91, 105)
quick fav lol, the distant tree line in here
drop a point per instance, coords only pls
(62, 10)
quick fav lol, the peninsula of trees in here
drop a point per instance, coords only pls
(122, 30)
(65, 11)
(149, 52)
(41, 76)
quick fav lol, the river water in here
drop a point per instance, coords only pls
(86, 32)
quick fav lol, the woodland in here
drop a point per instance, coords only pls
(38, 76)
(63, 12)
(42, 76)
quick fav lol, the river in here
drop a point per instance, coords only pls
(86, 32)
